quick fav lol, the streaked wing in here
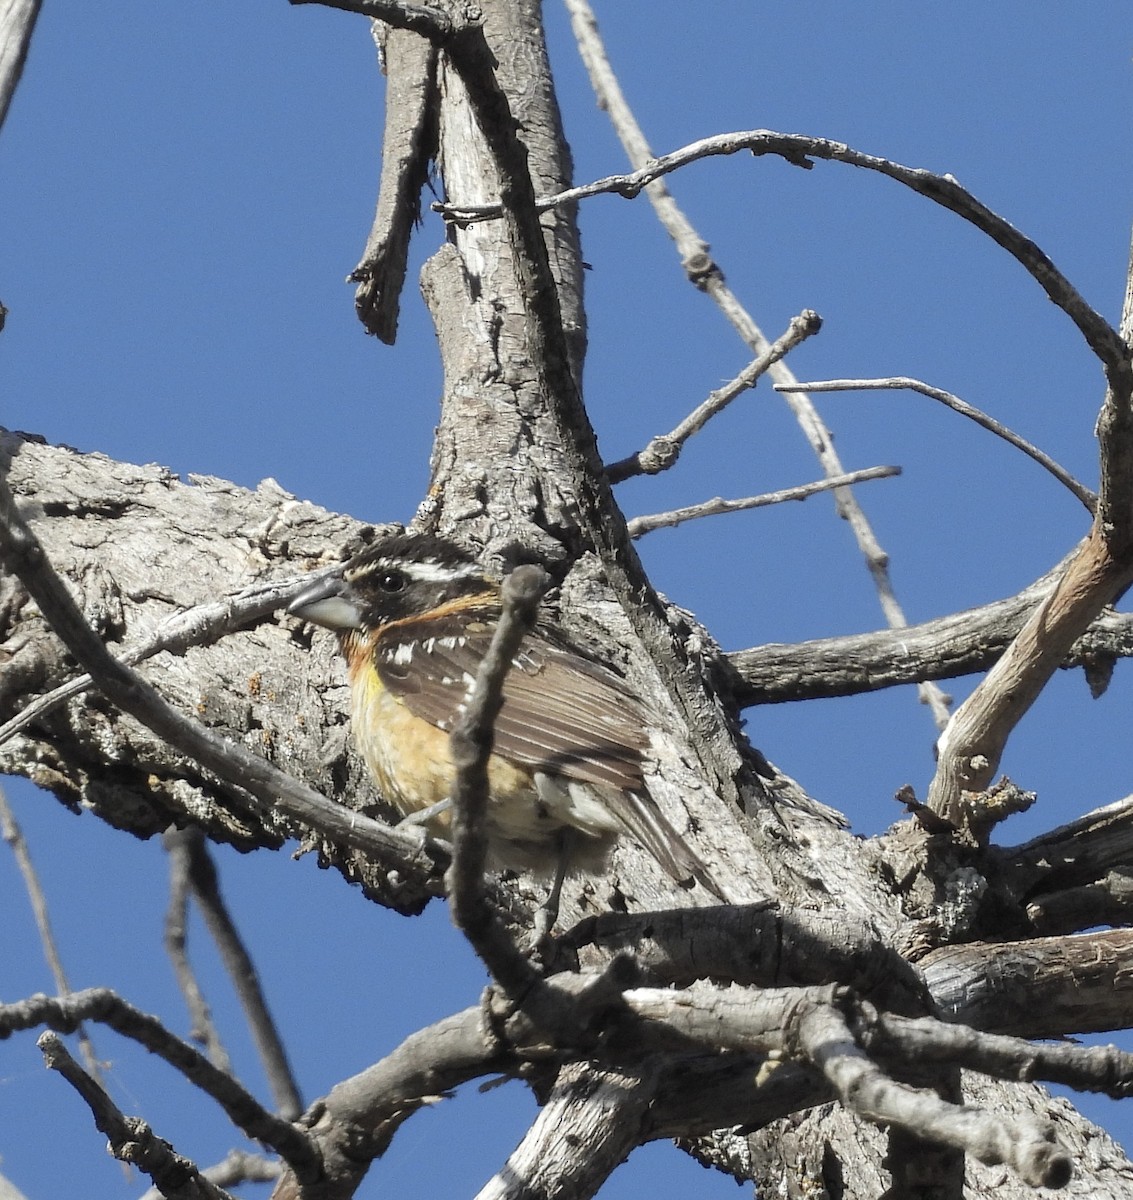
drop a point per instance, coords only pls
(560, 712)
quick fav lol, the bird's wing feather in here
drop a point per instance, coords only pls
(561, 712)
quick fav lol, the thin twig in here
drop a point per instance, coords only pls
(130, 1139)
(202, 1028)
(63, 1014)
(901, 382)
(663, 451)
(12, 833)
(706, 275)
(242, 971)
(471, 747)
(639, 526)
(200, 625)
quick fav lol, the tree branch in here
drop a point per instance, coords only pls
(242, 971)
(237, 1166)
(1036, 988)
(200, 625)
(471, 746)
(970, 747)
(12, 834)
(945, 648)
(663, 450)
(639, 526)
(591, 1121)
(798, 149)
(64, 1014)
(130, 1139)
(705, 274)
(17, 23)
(810, 1022)
(1102, 1069)
(202, 1028)
(1088, 498)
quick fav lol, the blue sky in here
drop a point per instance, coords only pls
(186, 188)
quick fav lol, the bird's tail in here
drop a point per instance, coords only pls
(637, 813)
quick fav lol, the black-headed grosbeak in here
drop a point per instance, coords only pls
(414, 616)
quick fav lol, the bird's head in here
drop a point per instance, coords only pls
(400, 578)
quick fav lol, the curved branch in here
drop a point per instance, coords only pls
(902, 382)
(64, 1013)
(944, 190)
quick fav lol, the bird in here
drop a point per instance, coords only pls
(414, 615)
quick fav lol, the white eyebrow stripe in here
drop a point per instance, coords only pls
(430, 572)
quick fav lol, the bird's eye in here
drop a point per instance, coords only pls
(390, 581)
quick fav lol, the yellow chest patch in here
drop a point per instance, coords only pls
(412, 765)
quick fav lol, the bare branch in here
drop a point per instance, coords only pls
(639, 526)
(431, 22)
(408, 144)
(1075, 877)
(358, 1118)
(471, 747)
(64, 1013)
(1088, 498)
(1037, 988)
(237, 1166)
(810, 1022)
(1084, 1068)
(241, 970)
(944, 648)
(12, 834)
(17, 23)
(202, 1027)
(200, 625)
(971, 746)
(1028, 1146)
(130, 1139)
(764, 945)
(590, 1123)
(798, 149)
(663, 451)
(1115, 437)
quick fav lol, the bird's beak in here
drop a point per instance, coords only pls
(328, 602)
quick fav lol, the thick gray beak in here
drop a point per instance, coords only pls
(328, 602)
